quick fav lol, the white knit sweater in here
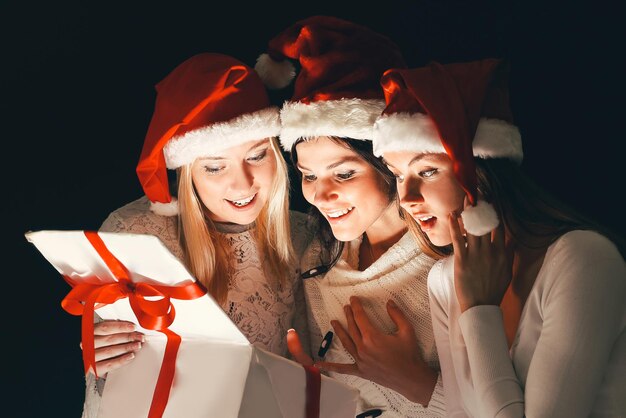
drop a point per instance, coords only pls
(399, 274)
(568, 358)
(262, 311)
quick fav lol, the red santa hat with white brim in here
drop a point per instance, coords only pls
(208, 103)
(458, 109)
(337, 90)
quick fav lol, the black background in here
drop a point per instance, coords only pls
(76, 96)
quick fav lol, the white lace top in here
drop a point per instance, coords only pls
(261, 309)
(399, 274)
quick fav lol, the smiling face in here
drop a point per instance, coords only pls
(234, 185)
(428, 190)
(346, 189)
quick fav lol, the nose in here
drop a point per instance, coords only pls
(409, 193)
(325, 192)
(242, 180)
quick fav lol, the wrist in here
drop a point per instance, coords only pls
(421, 385)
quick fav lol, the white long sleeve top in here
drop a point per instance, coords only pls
(399, 274)
(568, 358)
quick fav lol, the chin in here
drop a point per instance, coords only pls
(439, 241)
(346, 235)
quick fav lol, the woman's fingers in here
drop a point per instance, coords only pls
(361, 319)
(120, 338)
(397, 316)
(353, 328)
(458, 240)
(113, 327)
(111, 364)
(345, 339)
(112, 351)
(295, 348)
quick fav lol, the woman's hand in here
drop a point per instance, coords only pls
(482, 265)
(295, 348)
(116, 343)
(392, 360)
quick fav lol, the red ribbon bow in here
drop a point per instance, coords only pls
(156, 315)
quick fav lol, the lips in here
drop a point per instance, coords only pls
(338, 213)
(241, 203)
(426, 222)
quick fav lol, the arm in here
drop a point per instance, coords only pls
(582, 313)
(439, 295)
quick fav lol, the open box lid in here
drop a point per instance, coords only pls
(147, 260)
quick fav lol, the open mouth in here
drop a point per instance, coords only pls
(242, 203)
(338, 214)
(427, 222)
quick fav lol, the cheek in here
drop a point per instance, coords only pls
(210, 191)
(264, 174)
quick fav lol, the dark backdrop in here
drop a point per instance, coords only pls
(77, 79)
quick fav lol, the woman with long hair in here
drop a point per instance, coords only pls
(230, 224)
(365, 278)
(529, 312)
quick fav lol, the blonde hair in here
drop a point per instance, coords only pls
(205, 253)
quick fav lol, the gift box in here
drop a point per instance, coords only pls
(195, 362)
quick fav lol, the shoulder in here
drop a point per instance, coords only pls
(580, 248)
(441, 278)
(302, 233)
(585, 259)
(136, 217)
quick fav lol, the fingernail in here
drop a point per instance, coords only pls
(392, 303)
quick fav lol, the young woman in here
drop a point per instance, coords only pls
(230, 224)
(529, 316)
(365, 270)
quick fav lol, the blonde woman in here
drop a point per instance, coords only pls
(230, 224)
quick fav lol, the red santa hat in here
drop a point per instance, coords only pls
(459, 109)
(337, 91)
(208, 103)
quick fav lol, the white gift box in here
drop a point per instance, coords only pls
(218, 372)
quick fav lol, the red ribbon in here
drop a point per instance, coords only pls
(313, 389)
(156, 315)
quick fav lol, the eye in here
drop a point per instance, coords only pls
(347, 175)
(259, 156)
(428, 173)
(309, 177)
(211, 170)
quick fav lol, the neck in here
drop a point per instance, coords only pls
(385, 232)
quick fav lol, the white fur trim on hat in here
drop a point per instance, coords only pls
(417, 132)
(274, 74)
(480, 219)
(351, 118)
(211, 139)
(165, 209)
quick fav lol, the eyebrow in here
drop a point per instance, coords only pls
(414, 160)
(337, 163)
(217, 157)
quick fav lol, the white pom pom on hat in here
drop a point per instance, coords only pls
(275, 74)
(480, 219)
